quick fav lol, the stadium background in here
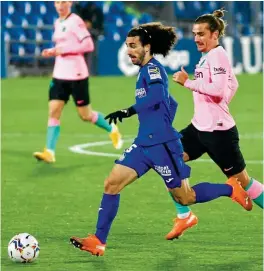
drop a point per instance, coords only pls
(53, 202)
(28, 26)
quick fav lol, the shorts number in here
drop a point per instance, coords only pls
(133, 146)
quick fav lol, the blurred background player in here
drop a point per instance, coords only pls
(93, 18)
(158, 144)
(70, 77)
(213, 129)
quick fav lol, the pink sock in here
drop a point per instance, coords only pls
(94, 117)
(255, 189)
(53, 122)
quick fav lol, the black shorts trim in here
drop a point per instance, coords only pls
(63, 89)
(191, 142)
(222, 147)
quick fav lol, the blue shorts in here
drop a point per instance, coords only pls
(166, 159)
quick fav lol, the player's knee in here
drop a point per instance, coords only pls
(183, 201)
(54, 113)
(187, 199)
(55, 109)
(88, 117)
(111, 186)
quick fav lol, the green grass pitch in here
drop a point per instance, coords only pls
(54, 202)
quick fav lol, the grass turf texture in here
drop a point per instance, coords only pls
(54, 202)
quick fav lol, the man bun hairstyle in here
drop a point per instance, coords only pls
(215, 21)
(219, 13)
(160, 37)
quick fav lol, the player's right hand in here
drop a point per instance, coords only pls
(180, 77)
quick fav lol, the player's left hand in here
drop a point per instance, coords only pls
(51, 52)
(48, 52)
(181, 76)
(120, 115)
(58, 51)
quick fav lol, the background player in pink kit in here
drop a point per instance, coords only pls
(212, 129)
(70, 77)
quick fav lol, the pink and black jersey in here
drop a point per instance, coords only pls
(213, 88)
(73, 40)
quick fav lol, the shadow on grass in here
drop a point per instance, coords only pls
(43, 169)
(186, 263)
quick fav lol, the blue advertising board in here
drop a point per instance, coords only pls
(245, 54)
(3, 57)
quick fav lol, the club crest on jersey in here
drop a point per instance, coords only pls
(141, 92)
(154, 72)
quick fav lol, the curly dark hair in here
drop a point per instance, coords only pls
(160, 37)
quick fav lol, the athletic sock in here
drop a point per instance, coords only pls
(182, 211)
(98, 120)
(53, 133)
(207, 191)
(255, 192)
(106, 214)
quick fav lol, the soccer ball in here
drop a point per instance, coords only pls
(23, 248)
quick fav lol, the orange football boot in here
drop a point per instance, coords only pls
(90, 244)
(239, 194)
(181, 225)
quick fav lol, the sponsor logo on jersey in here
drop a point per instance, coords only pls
(163, 171)
(198, 75)
(219, 70)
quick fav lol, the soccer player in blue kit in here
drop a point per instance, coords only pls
(158, 145)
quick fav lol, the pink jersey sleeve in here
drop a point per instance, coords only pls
(85, 43)
(218, 65)
(84, 46)
(233, 87)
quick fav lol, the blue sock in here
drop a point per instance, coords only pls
(209, 191)
(106, 214)
(52, 137)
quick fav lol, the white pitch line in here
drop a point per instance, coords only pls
(82, 149)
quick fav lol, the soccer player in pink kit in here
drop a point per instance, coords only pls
(212, 129)
(70, 77)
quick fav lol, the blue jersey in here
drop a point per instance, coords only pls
(154, 105)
